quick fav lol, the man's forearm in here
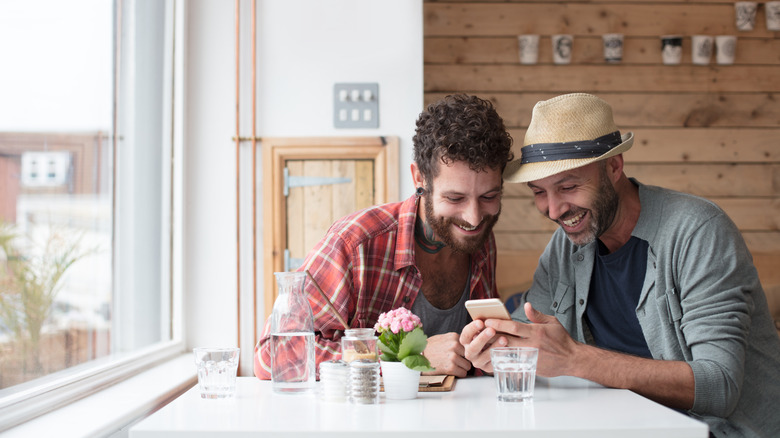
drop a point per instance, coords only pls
(670, 383)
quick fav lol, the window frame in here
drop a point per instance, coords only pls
(38, 397)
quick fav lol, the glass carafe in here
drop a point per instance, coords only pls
(292, 337)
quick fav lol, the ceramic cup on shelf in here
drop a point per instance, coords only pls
(528, 46)
(613, 47)
(562, 47)
(701, 49)
(671, 49)
(772, 10)
(745, 15)
(725, 49)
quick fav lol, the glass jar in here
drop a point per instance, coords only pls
(333, 380)
(363, 382)
(292, 337)
(359, 343)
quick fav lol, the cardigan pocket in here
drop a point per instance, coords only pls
(562, 300)
(671, 306)
(674, 304)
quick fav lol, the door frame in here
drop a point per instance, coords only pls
(278, 150)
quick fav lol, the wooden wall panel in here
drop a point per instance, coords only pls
(712, 130)
(592, 18)
(588, 49)
(602, 78)
(656, 109)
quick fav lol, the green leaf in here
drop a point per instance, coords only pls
(413, 343)
(384, 348)
(389, 357)
(418, 362)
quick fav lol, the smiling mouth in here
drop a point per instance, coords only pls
(573, 222)
(467, 228)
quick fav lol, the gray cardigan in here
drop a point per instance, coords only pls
(701, 302)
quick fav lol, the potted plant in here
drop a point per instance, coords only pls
(401, 341)
(30, 279)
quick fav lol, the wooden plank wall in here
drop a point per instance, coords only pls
(709, 130)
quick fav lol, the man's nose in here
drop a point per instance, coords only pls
(556, 207)
(473, 215)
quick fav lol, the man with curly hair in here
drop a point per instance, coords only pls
(429, 253)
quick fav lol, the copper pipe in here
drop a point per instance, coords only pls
(238, 181)
(254, 175)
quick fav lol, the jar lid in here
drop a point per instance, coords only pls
(364, 364)
(361, 333)
(333, 365)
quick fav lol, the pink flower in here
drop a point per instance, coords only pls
(397, 320)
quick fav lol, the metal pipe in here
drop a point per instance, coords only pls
(254, 174)
(238, 179)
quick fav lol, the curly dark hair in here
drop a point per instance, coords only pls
(461, 128)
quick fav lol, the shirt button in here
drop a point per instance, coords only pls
(580, 257)
(555, 304)
(406, 299)
(582, 301)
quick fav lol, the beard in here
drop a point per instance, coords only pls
(443, 228)
(605, 207)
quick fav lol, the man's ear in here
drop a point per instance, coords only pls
(417, 176)
(615, 167)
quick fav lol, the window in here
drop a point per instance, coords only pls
(86, 192)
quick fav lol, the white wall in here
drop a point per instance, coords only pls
(304, 47)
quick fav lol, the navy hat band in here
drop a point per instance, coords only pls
(539, 152)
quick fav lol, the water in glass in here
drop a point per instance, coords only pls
(293, 368)
(514, 381)
(292, 362)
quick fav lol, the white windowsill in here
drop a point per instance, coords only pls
(112, 410)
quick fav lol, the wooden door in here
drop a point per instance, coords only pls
(318, 193)
(353, 173)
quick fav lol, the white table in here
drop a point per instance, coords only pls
(562, 407)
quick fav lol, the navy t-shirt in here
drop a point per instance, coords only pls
(614, 293)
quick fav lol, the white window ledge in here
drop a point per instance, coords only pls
(112, 411)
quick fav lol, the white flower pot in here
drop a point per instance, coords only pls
(400, 382)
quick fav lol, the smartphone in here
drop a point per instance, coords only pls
(487, 308)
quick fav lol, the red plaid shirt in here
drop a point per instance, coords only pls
(365, 263)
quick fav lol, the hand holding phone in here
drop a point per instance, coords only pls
(486, 309)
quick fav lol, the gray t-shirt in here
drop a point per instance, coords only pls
(439, 321)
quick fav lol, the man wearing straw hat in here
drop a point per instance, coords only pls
(429, 253)
(641, 287)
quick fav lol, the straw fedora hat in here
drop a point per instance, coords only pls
(567, 132)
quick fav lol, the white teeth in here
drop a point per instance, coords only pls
(467, 228)
(573, 221)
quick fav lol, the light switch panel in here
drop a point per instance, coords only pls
(359, 101)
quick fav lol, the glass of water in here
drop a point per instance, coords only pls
(514, 370)
(217, 367)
